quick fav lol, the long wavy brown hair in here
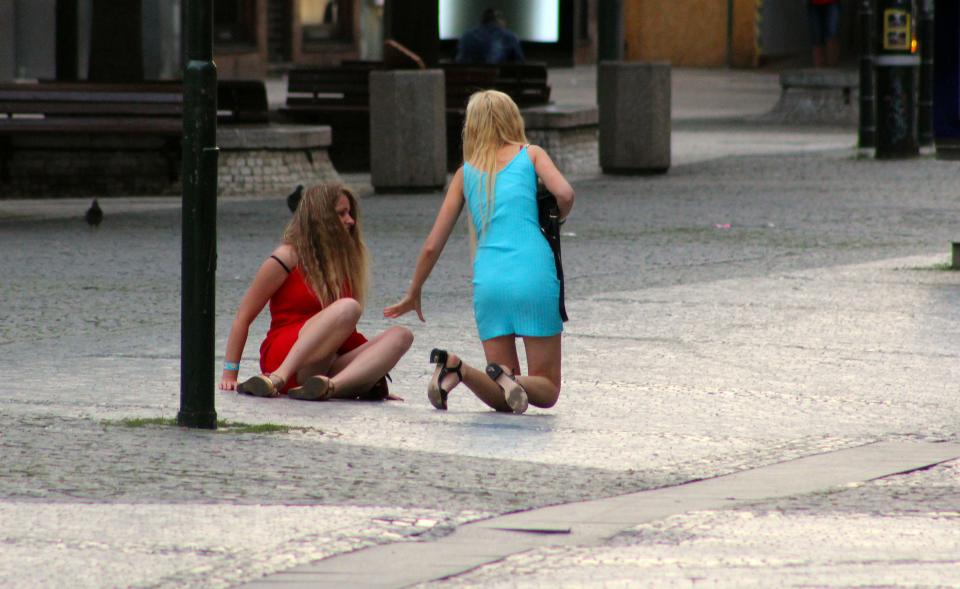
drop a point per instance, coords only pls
(332, 258)
(492, 120)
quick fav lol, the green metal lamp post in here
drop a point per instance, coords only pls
(199, 247)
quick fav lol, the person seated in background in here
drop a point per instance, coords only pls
(490, 43)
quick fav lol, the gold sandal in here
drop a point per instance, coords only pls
(315, 388)
(261, 385)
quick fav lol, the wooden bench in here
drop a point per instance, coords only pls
(57, 111)
(152, 108)
(138, 116)
(340, 97)
(78, 107)
(525, 83)
(242, 102)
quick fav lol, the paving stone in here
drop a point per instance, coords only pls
(771, 297)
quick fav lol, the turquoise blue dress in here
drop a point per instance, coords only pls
(515, 285)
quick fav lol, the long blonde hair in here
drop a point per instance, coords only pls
(492, 120)
(331, 257)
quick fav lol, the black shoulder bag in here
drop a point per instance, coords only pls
(549, 213)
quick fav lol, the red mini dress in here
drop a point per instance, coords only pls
(290, 307)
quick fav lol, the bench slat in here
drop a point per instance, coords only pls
(243, 101)
(43, 95)
(92, 125)
(91, 108)
(310, 109)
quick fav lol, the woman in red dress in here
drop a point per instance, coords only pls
(315, 282)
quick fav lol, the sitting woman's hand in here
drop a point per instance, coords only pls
(409, 302)
(228, 381)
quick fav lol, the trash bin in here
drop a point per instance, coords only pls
(634, 104)
(408, 130)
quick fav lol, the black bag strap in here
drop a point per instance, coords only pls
(549, 215)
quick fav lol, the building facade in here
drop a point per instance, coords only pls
(251, 37)
(736, 33)
(256, 37)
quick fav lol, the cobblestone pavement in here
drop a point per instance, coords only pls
(771, 297)
(900, 531)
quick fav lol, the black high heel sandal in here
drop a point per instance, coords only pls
(513, 392)
(435, 392)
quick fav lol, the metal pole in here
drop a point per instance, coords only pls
(925, 100)
(867, 131)
(610, 30)
(897, 75)
(729, 33)
(199, 248)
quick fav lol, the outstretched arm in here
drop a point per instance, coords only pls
(552, 179)
(266, 282)
(432, 248)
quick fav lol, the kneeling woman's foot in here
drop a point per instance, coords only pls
(435, 391)
(513, 393)
(261, 385)
(315, 388)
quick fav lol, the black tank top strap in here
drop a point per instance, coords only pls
(279, 261)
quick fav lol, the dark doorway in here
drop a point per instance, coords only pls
(116, 44)
(279, 31)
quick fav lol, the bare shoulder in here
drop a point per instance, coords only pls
(287, 254)
(536, 152)
(456, 182)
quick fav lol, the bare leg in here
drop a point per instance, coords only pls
(543, 367)
(833, 52)
(504, 350)
(358, 370)
(320, 337)
(498, 350)
(818, 58)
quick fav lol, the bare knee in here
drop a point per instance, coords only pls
(542, 391)
(401, 337)
(346, 310)
(549, 399)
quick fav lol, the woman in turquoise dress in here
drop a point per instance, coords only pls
(516, 291)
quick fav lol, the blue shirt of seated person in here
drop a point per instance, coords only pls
(489, 43)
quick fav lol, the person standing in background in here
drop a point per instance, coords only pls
(824, 18)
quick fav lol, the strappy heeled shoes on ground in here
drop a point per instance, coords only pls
(435, 391)
(261, 385)
(315, 388)
(513, 392)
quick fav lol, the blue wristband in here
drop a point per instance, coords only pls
(231, 365)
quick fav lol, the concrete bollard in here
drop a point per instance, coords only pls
(408, 130)
(634, 102)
